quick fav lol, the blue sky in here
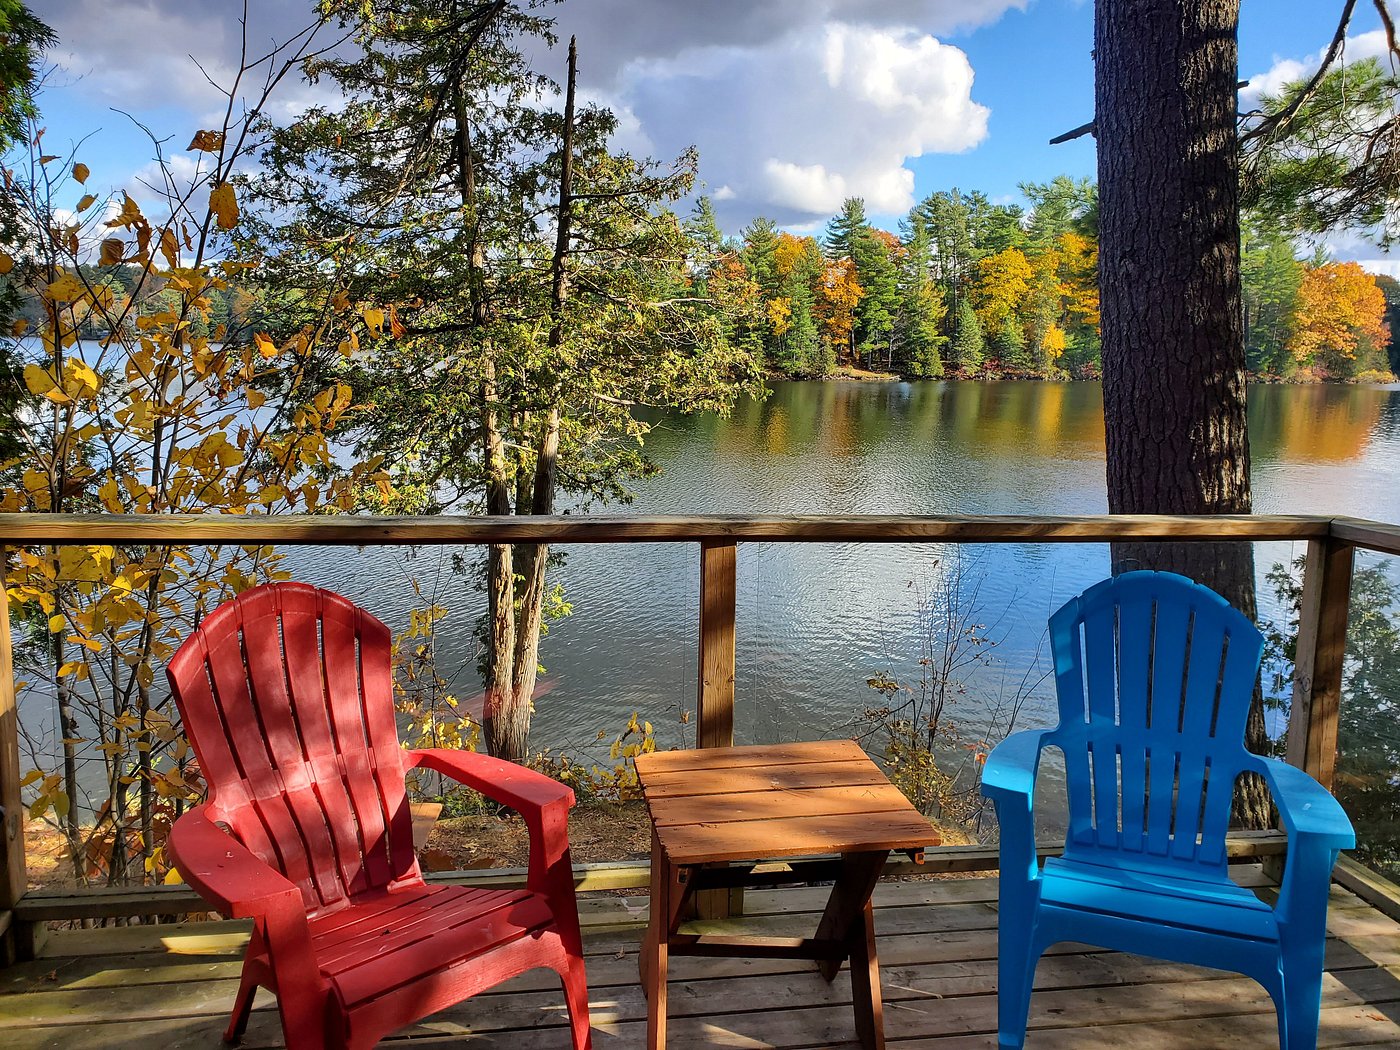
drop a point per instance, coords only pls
(794, 104)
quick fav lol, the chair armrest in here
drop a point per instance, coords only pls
(1305, 806)
(226, 873)
(1010, 770)
(543, 803)
(1008, 779)
(523, 790)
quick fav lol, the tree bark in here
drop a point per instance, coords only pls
(1169, 271)
(536, 559)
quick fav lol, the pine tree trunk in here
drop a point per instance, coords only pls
(1169, 266)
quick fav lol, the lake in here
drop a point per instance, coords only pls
(816, 621)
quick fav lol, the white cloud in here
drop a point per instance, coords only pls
(1285, 71)
(793, 126)
(614, 34)
(1388, 267)
(793, 103)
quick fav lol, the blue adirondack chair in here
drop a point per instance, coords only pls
(1154, 675)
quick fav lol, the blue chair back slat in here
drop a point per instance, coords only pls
(1066, 644)
(1134, 624)
(1245, 650)
(1100, 646)
(1167, 653)
(1154, 675)
(1204, 649)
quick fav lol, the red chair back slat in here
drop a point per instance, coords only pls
(285, 693)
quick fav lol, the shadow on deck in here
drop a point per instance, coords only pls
(172, 986)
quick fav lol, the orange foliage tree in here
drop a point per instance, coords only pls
(1341, 310)
(837, 298)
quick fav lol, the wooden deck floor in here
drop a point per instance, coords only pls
(170, 987)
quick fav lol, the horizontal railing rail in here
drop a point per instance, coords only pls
(326, 530)
(1318, 668)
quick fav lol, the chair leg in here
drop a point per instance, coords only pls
(1299, 1003)
(1016, 962)
(242, 1007)
(576, 998)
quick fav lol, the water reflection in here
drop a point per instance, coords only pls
(815, 621)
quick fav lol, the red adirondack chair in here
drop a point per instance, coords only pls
(286, 696)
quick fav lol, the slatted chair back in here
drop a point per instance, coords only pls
(1155, 675)
(286, 697)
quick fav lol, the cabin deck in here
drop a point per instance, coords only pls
(171, 986)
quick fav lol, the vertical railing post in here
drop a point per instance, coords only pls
(13, 878)
(714, 716)
(715, 702)
(1317, 668)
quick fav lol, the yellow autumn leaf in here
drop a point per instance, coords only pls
(79, 565)
(113, 248)
(86, 202)
(41, 383)
(48, 158)
(57, 623)
(374, 320)
(79, 380)
(130, 215)
(65, 289)
(6, 263)
(80, 172)
(265, 345)
(207, 141)
(256, 398)
(169, 247)
(172, 877)
(224, 205)
(19, 327)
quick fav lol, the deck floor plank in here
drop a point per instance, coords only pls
(172, 986)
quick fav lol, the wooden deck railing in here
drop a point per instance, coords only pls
(1312, 738)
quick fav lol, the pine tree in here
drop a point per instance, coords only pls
(1271, 278)
(918, 324)
(537, 278)
(844, 229)
(1008, 345)
(878, 273)
(968, 346)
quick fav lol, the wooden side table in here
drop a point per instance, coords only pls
(771, 802)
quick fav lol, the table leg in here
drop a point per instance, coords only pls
(854, 884)
(865, 982)
(654, 951)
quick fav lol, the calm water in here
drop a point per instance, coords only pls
(816, 621)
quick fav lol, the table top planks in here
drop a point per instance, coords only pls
(774, 801)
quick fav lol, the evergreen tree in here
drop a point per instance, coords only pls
(968, 346)
(23, 38)
(704, 227)
(1390, 288)
(845, 229)
(1062, 205)
(918, 324)
(878, 274)
(1271, 276)
(1008, 346)
(533, 281)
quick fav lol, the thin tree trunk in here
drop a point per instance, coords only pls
(505, 736)
(546, 462)
(1173, 341)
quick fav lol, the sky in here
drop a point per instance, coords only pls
(793, 104)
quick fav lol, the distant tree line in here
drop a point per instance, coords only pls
(966, 287)
(975, 289)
